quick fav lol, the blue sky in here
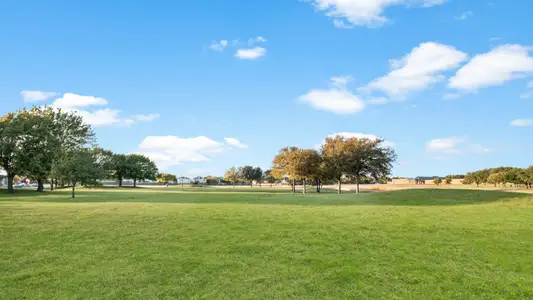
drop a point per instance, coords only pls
(202, 85)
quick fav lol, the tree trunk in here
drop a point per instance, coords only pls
(55, 183)
(120, 182)
(40, 186)
(51, 184)
(10, 188)
(73, 190)
(293, 186)
(357, 179)
(318, 186)
(134, 183)
(340, 186)
(233, 183)
(251, 184)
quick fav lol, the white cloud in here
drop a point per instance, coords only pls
(36, 96)
(493, 68)
(334, 100)
(103, 117)
(218, 46)
(235, 142)
(419, 69)
(340, 81)
(454, 146)
(464, 16)
(145, 118)
(445, 145)
(522, 122)
(251, 53)
(69, 101)
(100, 117)
(377, 101)
(369, 13)
(168, 151)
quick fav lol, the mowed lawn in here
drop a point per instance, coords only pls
(208, 243)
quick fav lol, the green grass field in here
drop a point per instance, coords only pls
(208, 243)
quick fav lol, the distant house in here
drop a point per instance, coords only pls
(184, 180)
(199, 180)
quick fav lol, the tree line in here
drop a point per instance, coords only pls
(338, 158)
(54, 146)
(501, 176)
(247, 174)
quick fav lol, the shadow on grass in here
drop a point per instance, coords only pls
(414, 197)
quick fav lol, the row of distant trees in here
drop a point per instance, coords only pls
(338, 158)
(501, 176)
(54, 146)
(247, 174)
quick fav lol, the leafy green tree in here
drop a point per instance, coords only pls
(258, 175)
(370, 158)
(119, 167)
(247, 173)
(140, 168)
(79, 167)
(437, 181)
(496, 178)
(448, 179)
(11, 136)
(307, 165)
(269, 177)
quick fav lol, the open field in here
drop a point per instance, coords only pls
(209, 243)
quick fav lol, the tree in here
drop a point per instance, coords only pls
(480, 177)
(448, 179)
(283, 165)
(496, 178)
(140, 167)
(11, 136)
(437, 181)
(120, 167)
(269, 177)
(166, 178)
(307, 165)
(370, 158)
(79, 166)
(231, 175)
(334, 155)
(247, 173)
(258, 175)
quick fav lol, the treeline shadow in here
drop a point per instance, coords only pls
(414, 197)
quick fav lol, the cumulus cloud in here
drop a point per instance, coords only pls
(252, 53)
(235, 142)
(218, 45)
(168, 151)
(418, 70)
(493, 68)
(444, 147)
(347, 13)
(36, 96)
(522, 122)
(82, 105)
(337, 99)
(70, 100)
